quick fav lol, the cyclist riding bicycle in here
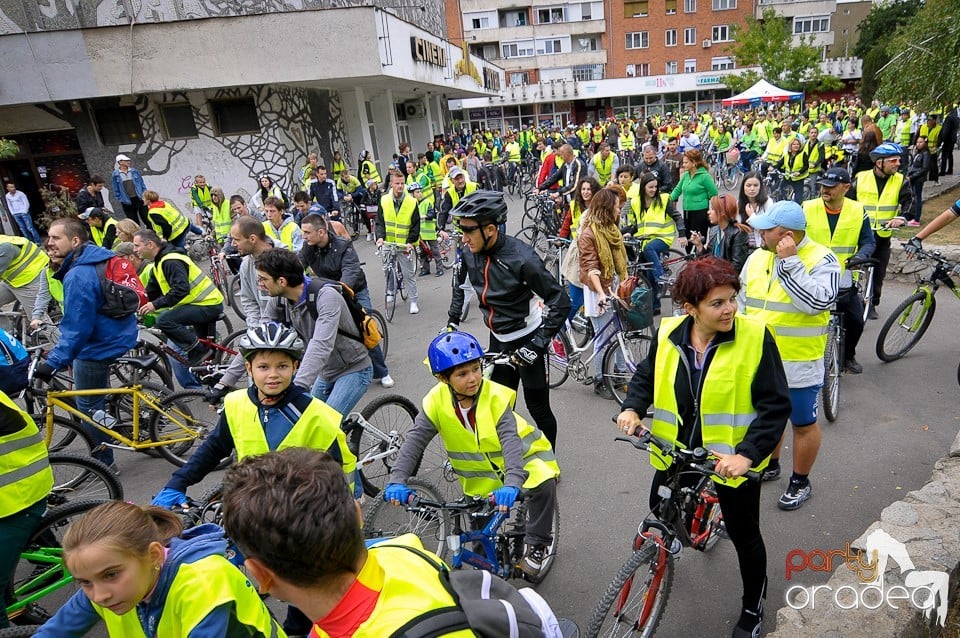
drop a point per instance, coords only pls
(492, 448)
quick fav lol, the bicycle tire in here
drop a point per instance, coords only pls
(535, 238)
(182, 410)
(624, 589)
(671, 270)
(81, 478)
(390, 300)
(211, 505)
(557, 368)
(903, 329)
(448, 252)
(384, 520)
(617, 380)
(226, 329)
(731, 177)
(401, 286)
(712, 518)
(233, 296)
(22, 631)
(832, 364)
(67, 436)
(866, 294)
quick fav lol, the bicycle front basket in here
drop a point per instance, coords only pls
(637, 312)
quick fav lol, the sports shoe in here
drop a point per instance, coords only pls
(440, 271)
(601, 389)
(387, 381)
(873, 314)
(423, 273)
(390, 298)
(532, 561)
(852, 366)
(754, 632)
(414, 308)
(914, 223)
(369, 236)
(770, 473)
(795, 496)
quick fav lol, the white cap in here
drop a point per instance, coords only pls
(122, 157)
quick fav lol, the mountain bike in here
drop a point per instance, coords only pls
(687, 515)
(394, 274)
(81, 478)
(671, 260)
(909, 321)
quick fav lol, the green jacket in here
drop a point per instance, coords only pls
(696, 191)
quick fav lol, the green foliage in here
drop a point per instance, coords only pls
(769, 44)
(57, 203)
(741, 82)
(883, 20)
(875, 60)
(924, 52)
(8, 148)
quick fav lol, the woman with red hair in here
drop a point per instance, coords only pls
(696, 187)
(725, 239)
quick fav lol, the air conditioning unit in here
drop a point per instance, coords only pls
(707, 44)
(414, 110)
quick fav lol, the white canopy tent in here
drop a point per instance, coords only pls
(762, 92)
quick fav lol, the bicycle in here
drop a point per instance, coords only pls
(394, 275)
(672, 261)
(909, 321)
(352, 217)
(449, 527)
(685, 516)
(540, 221)
(515, 178)
(81, 478)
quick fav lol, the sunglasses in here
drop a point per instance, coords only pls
(468, 229)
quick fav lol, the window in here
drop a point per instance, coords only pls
(671, 7)
(721, 33)
(234, 117)
(118, 125)
(550, 15)
(178, 121)
(816, 24)
(689, 66)
(513, 19)
(588, 44)
(638, 70)
(586, 11)
(480, 23)
(671, 68)
(588, 72)
(519, 79)
(721, 64)
(689, 6)
(636, 9)
(690, 36)
(518, 49)
(549, 47)
(638, 40)
(671, 37)
(723, 5)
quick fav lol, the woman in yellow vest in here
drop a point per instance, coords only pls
(367, 170)
(795, 169)
(220, 206)
(166, 220)
(492, 449)
(142, 575)
(738, 411)
(654, 218)
(25, 481)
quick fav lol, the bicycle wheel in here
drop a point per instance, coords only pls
(673, 262)
(448, 252)
(230, 342)
(619, 364)
(519, 532)
(223, 326)
(384, 520)
(635, 600)
(390, 294)
(865, 290)
(211, 505)
(833, 365)
(400, 283)
(147, 348)
(67, 436)
(183, 423)
(905, 326)
(233, 296)
(382, 325)
(713, 518)
(81, 478)
(730, 177)
(535, 238)
(582, 329)
(558, 350)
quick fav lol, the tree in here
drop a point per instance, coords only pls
(883, 21)
(923, 58)
(769, 44)
(8, 148)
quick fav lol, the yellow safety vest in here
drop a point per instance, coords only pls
(843, 240)
(197, 589)
(654, 222)
(338, 167)
(177, 222)
(627, 142)
(800, 337)
(27, 265)
(793, 165)
(409, 587)
(882, 207)
(813, 156)
(397, 223)
(470, 187)
(513, 152)
(775, 149)
(598, 134)
(25, 474)
(428, 227)
(369, 171)
(604, 168)
(222, 220)
(726, 401)
(318, 428)
(99, 233)
(202, 291)
(55, 286)
(146, 274)
(575, 214)
(477, 457)
(283, 234)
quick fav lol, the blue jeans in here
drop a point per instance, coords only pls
(376, 354)
(576, 300)
(343, 393)
(917, 188)
(93, 375)
(182, 373)
(651, 253)
(25, 222)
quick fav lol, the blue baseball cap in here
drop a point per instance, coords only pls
(787, 214)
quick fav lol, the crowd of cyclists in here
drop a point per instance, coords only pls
(813, 187)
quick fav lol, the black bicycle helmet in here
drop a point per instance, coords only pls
(482, 205)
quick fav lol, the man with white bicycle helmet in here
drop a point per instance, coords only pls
(492, 448)
(523, 305)
(884, 193)
(272, 414)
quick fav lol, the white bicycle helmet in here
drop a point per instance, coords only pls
(271, 336)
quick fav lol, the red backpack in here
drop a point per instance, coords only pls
(123, 292)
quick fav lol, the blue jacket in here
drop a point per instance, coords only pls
(121, 194)
(77, 616)
(85, 333)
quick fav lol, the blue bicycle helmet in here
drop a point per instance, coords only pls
(885, 150)
(451, 349)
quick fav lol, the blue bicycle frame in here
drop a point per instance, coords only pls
(488, 560)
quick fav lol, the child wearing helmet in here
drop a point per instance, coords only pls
(492, 448)
(428, 230)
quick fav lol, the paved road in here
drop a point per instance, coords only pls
(894, 424)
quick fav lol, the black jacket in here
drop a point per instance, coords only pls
(660, 170)
(919, 167)
(771, 394)
(578, 171)
(338, 260)
(325, 194)
(735, 246)
(176, 274)
(506, 278)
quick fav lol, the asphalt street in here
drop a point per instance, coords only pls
(895, 422)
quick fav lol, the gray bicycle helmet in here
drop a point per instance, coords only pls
(886, 150)
(482, 205)
(271, 336)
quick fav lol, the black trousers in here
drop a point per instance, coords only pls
(946, 160)
(182, 324)
(536, 392)
(851, 307)
(882, 255)
(696, 220)
(136, 210)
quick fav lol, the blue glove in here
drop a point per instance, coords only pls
(169, 497)
(506, 496)
(397, 492)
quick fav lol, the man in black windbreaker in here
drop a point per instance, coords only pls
(523, 305)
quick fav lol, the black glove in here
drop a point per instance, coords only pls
(913, 246)
(215, 395)
(524, 357)
(44, 372)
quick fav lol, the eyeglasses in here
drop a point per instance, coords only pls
(468, 229)
(263, 280)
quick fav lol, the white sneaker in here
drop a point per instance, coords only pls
(390, 298)
(387, 381)
(414, 308)
(369, 236)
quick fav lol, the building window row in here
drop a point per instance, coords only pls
(118, 125)
(638, 40)
(641, 8)
(641, 39)
(815, 24)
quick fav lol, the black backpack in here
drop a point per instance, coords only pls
(123, 292)
(368, 331)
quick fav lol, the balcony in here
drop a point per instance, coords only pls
(530, 31)
(793, 8)
(550, 61)
(843, 68)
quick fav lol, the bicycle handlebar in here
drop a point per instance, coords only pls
(854, 262)
(696, 459)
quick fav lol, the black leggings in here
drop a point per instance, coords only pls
(696, 220)
(536, 392)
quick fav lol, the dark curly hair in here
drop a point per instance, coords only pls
(701, 276)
